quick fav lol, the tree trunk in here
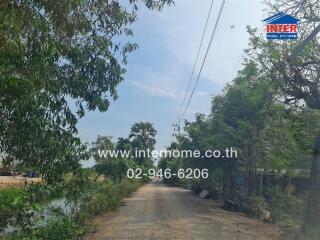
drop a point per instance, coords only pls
(260, 184)
(252, 183)
(233, 188)
(225, 190)
(252, 186)
(312, 214)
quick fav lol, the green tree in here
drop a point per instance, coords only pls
(101, 144)
(167, 162)
(142, 137)
(244, 110)
(249, 118)
(115, 167)
(124, 144)
(54, 53)
(298, 80)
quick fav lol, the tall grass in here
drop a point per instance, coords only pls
(88, 198)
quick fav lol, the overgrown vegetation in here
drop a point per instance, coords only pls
(267, 135)
(270, 114)
(29, 215)
(141, 137)
(56, 52)
(60, 59)
(56, 56)
(32, 219)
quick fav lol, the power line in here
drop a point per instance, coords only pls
(205, 57)
(196, 60)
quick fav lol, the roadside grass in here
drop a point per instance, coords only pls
(87, 198)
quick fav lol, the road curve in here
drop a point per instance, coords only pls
(160, 212)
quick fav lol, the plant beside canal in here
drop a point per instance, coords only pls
(84, 199)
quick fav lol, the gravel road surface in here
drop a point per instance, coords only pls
(159, 212)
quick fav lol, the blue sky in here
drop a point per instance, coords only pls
(158, 72)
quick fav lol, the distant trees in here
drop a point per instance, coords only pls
(52, 52)
(113, 167)
(124, 144)
(141, 137)
(169, 163)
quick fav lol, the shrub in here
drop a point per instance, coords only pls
(107, 196)
(126, 187)
(11, 202)
(285, 207)
(257, 206)
(62, 228)
(196, 186)
(86, 198)
(42, 192)
(65, 228)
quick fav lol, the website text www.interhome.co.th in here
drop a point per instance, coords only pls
(172, 153)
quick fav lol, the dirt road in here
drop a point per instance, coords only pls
(160, 212)
(16, 181)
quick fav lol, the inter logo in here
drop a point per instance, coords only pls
(281, 26)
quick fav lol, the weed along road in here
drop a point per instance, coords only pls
(157, 211)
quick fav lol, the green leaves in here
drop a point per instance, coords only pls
(141, 137)
(51, 52)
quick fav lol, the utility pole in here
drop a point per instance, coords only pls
(179, 127)
(179, 138)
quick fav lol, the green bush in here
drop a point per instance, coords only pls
(15, 203)
(63, 228)
(196, 186)
(107, 196)
(126, 187)
(184, 183)
(42, 192)
(86, 198)
(285, 207)
(256, 206)
(11, 202)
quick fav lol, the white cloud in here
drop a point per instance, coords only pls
(180, 28)
(161, 67)
(161, 85)
(156, 83)
(201, 93)
(176, 34)
(156, 89)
